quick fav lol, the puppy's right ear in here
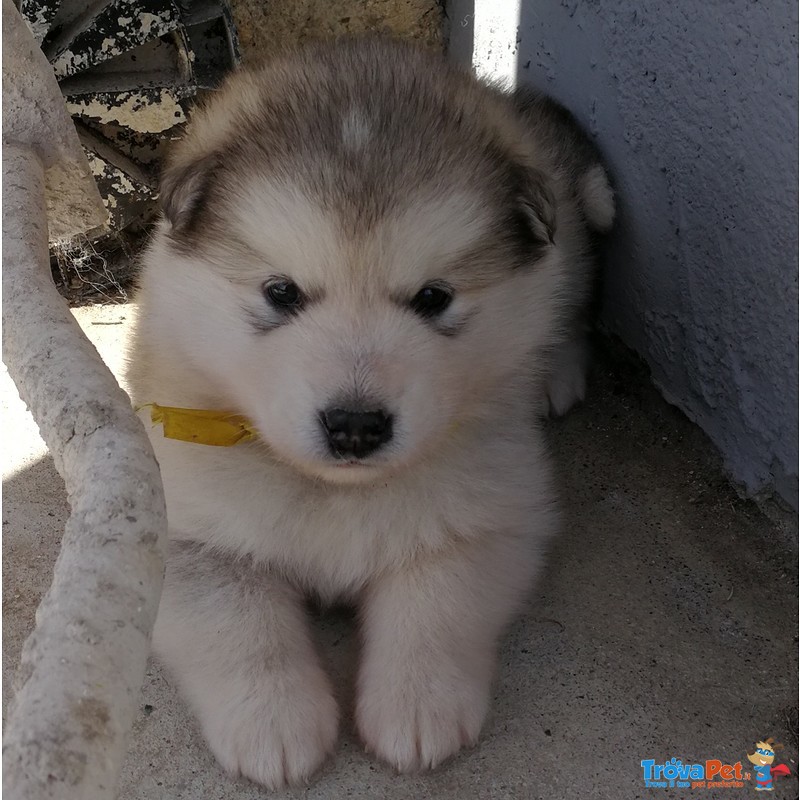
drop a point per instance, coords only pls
(184, 190)
(539, 203)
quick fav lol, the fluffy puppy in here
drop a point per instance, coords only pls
(382, 263)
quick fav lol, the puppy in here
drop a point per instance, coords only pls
(383, 265)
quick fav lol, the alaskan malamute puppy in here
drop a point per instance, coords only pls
(384, 265)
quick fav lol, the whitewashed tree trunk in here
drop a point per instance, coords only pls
(83, 666)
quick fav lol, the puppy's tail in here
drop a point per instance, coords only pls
(597, 199)
(572, 150)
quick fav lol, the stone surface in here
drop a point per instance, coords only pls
(264, 28)
(665, 626)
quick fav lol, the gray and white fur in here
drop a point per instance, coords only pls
(385, 265)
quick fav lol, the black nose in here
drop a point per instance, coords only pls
(356, 433)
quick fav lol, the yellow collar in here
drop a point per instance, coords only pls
(218, 428)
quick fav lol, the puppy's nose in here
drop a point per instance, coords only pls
(356, 433)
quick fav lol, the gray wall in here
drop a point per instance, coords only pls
(694, 105)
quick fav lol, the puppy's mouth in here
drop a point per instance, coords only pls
(354, 464)
(350, 461)
(351, 472)
(359, 465)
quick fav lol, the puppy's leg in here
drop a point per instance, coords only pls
(238, 642)
(566, 384)
(430, 633)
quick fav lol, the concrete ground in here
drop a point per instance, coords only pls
(665, 627)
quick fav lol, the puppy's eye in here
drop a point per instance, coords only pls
(432, 300)
(283, 294)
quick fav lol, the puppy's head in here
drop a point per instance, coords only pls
(358, 254)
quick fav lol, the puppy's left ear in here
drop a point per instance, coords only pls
(538, 204)
(184, 189)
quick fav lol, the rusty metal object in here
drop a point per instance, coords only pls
(129, 71)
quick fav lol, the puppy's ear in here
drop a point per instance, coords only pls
(538, 204)
(184, 190)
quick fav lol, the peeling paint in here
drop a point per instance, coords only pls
(116, 29)
(148, 111)
(38, 14)
(121, 122)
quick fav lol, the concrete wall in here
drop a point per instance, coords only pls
(695, 106)
(264, 27)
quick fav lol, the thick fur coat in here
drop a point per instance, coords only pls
(385, 265)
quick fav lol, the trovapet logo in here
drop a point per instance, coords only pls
(716, 774)
(709, 774)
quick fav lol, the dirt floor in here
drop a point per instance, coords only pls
(665, 627)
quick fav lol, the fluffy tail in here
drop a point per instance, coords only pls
(597, 199)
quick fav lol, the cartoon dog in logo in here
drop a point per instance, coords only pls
(761, 758)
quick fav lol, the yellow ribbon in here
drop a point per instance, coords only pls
(217, 428)
(201, 426)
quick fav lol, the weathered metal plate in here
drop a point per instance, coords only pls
(130, 71)
(145, 110)
(125, 199)
(117, 28)
(164, 61)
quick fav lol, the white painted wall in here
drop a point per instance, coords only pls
(695, 106)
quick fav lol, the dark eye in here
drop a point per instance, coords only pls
(432, 300)
(283, 294)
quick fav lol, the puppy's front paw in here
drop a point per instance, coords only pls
(566, 385)
(564, 390)
(276, 732)
(415, 721)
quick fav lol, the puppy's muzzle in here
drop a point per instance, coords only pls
(356, 434)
